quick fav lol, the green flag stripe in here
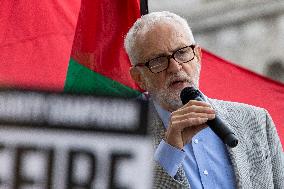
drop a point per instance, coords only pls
(82, 80)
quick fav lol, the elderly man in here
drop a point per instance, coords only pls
(165, 59)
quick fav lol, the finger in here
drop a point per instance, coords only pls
(192, 115)
(197, 103)
(181, 125)
(194, 108)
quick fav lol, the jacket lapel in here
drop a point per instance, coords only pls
(158, 133)
(237, 154)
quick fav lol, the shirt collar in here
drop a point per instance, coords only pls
(163, 114)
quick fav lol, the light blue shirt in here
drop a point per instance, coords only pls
(205, 159)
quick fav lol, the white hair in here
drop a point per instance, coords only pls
(145, 24)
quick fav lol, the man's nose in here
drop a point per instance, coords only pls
(174, 66)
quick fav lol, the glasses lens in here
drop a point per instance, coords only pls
(158, 64)
(184, 55)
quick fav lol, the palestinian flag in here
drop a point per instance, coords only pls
(99, 64)
(36, 41)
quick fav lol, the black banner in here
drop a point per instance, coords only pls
(74, 112)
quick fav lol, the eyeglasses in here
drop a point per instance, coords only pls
(161, 63)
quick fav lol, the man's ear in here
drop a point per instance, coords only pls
(198, 53)
(137, 77)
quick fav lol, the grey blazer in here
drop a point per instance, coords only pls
(258, 159)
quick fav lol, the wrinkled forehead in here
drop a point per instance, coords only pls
(161, 37)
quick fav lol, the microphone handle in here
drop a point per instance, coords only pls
(221, 130)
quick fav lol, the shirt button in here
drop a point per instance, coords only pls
(196, 141)
(205, 172)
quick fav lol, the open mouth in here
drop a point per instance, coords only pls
(178, 83)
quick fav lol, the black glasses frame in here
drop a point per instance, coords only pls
(168, 57)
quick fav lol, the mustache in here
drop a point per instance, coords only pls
(180, 76)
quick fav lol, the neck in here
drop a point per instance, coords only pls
(168, 107)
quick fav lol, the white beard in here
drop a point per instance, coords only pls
(172, 98)
(167, 95)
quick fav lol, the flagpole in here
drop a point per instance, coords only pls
(144, 7)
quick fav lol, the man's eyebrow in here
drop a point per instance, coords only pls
(158, 55)
(155, 55)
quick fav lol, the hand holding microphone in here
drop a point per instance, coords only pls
(216, 124)
(187, 121)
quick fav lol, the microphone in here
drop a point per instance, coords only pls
(216, 125)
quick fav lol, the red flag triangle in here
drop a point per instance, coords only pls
(223, 80)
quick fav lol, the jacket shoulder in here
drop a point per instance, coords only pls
(237, 108)
(245, 119)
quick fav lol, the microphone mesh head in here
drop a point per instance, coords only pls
(189, 93)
